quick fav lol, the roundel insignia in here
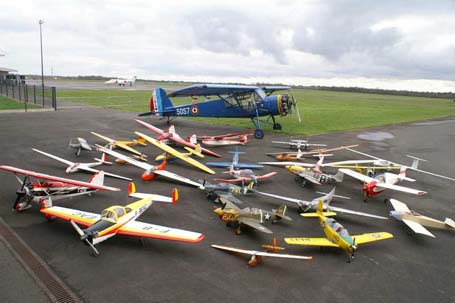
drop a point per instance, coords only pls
(194, 110)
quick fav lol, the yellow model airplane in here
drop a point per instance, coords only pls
(337, 235)
(121, 220)
(175, 153)
(124, 144)
(197, 151)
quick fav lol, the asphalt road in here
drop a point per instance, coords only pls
(407, 268)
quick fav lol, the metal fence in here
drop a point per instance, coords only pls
(45, 96)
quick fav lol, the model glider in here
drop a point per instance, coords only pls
(235, 101)
(256, 257)
(225, 140)
(235, 162)
(79, 146)
(245, 175)
(176, 153)
(44, 192)
(291, 156)
(337, 235)
(74, 167)
(171, 135)
(414, 166)
(121, 220)
(329, 210)
(252, 217)
(123, 144)
(376, 185)
(416, 221)
(150, 171)
(196, 152)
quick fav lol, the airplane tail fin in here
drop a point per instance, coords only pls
(162, 166)
(140, 141)
(173, 199)
(103, 159)
(415, 161)
(339, 176)
(97, 178)
(401, 176)
(193, 139)
(197, 151)
(450, 223)
(159, 102)
(280, 213)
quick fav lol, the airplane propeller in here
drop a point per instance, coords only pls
(84, 237)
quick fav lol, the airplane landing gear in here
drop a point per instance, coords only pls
(277, 126)
(259, 133)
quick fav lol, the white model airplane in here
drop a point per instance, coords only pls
(312, 206)
(121, 220)
(300, 144)
(150, 171)
(74, 167)
(376, 185)
(245, 175)
(79, 146)
(416, 221)
(414, 166)
(256, 256)
(122, 81)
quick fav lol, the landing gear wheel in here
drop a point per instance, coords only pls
(238, 231)
(259, 133)
(277, 126)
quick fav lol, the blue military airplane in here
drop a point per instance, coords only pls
(235, 101)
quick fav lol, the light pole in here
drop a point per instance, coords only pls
(42, 68)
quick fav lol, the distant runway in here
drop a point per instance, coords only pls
(97, 85)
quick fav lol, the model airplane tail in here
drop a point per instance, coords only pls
(140, 141)
(162, 166)
(450, 223)
(103, 159)
(280, 213)
(197, 151)
(339, 176)
(193, 139)
(132, 193)
(97, 178)
(415, 161)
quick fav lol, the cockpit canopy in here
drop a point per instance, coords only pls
(114, 212)
(337, 227)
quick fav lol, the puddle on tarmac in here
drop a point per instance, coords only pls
(434, 122)
(375, 136)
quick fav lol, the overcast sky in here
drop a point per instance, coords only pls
(385, 44)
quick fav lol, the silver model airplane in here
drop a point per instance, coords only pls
(416, 221)
(300, 144)
(74, 167)
(312, 206)
(79, 146)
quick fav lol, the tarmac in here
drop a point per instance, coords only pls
(407, 268)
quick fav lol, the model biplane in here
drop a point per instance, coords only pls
(234, 101)
(121, 220)
(79, 146)
(235, 162)
(44, 189)
(126, 145)
(337, 235)
(170, 135)
(416, 221)
(381, 182)
(75, 167)
(236, 217)
(151, 172)
(166, 148)
(329, 210)
(256, 257)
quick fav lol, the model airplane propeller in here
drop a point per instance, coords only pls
(235, 101)
(337, 235)
(46, 188)
(121, 220)
(79, 146)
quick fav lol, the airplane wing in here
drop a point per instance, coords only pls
(297, 201)
(146, 230)
(310, 178)
(119, 144)
(125, 158)
(231, 180)
(348, 162)
(174, 176)
(92, 170)
(103, 137)
(239, 165)
(230, 198)
(401, 188)
(80, 217)
(266, 176)
(417, 228)
(259, 253)
(255, 224)
(353, 212)
(53, 157)
(286, 163)
(371, 237)
(310, 241)
(57, 179)
(175, 139)
(220, 89)
(398, 205)
(175, 153)
(219, 164)
(356, 175)
(229, 202)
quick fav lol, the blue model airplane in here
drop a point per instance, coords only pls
(235, 162)
(234, 101)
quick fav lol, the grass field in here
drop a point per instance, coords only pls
(321, 111)
(6, 103)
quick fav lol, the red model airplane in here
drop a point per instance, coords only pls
(170, 134)
(44, 192)
(224, 140)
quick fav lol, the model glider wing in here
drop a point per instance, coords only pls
(398, 205)
(286, 163)
(353, 212)
(120, 156)
(170, 175)
(80, 217)
(310, 241)
(175, 153)
(371, 237)
(417, 228)
(53, 157)
(401, 188)
(92, 170)
(118, 143)
(259, 253)
(145, 230)
(357, 175)
(57, 179)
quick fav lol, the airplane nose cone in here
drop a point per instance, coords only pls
(218, 211)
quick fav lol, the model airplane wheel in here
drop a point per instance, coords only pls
(277, 126)
(259, 134)
(238, 232)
